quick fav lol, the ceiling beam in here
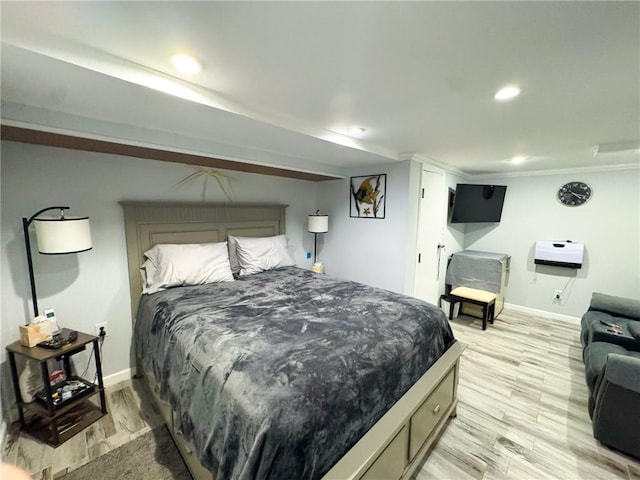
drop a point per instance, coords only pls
(51, 139)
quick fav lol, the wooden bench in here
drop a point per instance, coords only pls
(486, 300)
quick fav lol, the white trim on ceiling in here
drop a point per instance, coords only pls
(535, 173)
(434, 163)
(560, 171)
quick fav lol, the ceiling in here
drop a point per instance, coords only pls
(283, 81)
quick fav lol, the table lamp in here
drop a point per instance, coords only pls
(317, 224)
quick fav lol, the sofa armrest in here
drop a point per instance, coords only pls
(623, 371)
(618, 306)
(615, 417)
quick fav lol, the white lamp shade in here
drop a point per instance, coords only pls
(318, 223)
(67, 235)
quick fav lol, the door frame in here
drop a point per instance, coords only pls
(424, 166)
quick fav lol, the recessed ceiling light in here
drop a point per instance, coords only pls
(507, 93)
(356, 131)
(186, 63)
(518, 159)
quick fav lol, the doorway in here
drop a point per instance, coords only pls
(429, 245)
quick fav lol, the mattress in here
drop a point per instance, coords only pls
(278, 374)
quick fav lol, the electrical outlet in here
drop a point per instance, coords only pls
(101, 325)
(558, 294)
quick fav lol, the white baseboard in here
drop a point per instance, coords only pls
(535, 311)
(117, 377)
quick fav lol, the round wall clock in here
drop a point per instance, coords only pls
(573, 194)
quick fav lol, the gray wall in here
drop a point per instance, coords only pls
(608, 225)
(92, 287)
(367, 250)
(381, 252)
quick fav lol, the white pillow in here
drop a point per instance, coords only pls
(172, 265)
(256, 255)
(147, 272)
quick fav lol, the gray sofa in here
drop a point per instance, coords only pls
(610, 336)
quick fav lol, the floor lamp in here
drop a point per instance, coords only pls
(317, 224)
(56, 236)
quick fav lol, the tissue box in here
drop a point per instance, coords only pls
(34, 333)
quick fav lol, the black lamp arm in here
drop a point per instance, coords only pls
(32, 217)
(27, 243)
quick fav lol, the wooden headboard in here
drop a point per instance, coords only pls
(149, 223)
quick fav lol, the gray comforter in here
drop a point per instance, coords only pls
(278, 374)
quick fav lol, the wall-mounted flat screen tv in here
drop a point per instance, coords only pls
(478, 203)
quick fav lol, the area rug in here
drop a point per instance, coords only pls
(152, 456)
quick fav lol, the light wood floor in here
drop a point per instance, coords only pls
(522, 413)
(131, 414)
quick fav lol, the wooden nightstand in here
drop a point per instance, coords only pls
(56, 421)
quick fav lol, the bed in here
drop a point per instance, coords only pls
(286, 373)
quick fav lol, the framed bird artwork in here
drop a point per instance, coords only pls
(368, 196)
